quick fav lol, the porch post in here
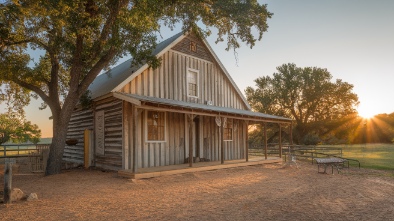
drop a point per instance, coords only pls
(190, 119)
(265, 141)
(222, 141)
(126, 143)
(280, 140)
(135, 138)
(247, 142)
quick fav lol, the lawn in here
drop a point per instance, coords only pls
(374, 156)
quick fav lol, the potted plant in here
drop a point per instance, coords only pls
(71, 142)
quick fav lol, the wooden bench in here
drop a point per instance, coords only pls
(338, 163)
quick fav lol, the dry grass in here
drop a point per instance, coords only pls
(266, 192)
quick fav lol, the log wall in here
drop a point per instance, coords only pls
(79, 122)
(113, 147)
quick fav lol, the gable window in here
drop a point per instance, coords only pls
(155, 121)
(228, 130)
(193, 46)
(192, 83)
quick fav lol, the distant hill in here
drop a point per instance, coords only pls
(47, 140)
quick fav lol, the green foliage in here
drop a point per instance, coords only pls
(86, 100)
(80, 38)
(17, 130)
(311, 139)
(306, 95)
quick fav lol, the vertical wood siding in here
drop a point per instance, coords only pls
(170, 81)
(174, 150)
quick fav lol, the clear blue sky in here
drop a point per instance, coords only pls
(353, 39)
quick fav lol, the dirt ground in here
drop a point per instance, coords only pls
(264, 192)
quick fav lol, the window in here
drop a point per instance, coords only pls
(193, 46)
(192, 80)
(228, 130)
(155, 126)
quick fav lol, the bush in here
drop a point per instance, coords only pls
(311, 139)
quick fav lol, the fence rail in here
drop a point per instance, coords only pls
(308, 153)
(36, 154)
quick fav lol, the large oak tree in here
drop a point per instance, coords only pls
(308, 95)
(80, 38)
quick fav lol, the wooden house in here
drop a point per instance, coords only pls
(187, 108)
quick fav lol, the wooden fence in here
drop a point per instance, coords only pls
(36, 155)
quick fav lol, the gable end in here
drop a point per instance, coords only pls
(193, 46)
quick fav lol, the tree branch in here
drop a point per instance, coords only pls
(92, 74)
(33, 88)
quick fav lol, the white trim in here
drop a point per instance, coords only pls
(197, 82)
(232, 129)
(127, 98)
(146, 127)
(130, 78)
(146, 66)
(226, 72)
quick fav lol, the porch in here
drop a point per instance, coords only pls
(201, 166)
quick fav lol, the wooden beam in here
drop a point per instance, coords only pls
(280, 140)
(127, 98)
(247, 142)
(126, 134)
(207, 113)
(190, 119)
(87, 151)
(221, 131)
(265, 141)
(135, 138)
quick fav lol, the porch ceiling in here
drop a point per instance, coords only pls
(196, 108)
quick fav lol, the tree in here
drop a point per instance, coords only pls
(80, 38)
(306, 95)
(17, 129)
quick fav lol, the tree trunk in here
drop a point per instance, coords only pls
(61, 118)
(56, 150)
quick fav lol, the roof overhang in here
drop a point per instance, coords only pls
(145, 102)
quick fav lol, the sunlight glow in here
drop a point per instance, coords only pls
(366, 112)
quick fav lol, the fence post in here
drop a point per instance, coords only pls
(7, 181)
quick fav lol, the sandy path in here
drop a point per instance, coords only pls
(265, 192)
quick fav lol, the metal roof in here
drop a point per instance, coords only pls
(107, 82)
(201, 107)
(114, 79)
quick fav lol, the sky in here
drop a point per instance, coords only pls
(352, 39)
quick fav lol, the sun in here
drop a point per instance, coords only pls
(366, 112)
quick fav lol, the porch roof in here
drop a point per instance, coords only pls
(246, 114)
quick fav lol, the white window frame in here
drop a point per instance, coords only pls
(232, 129)
(197, 84)
(146, 127)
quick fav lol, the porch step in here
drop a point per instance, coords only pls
(184, 168)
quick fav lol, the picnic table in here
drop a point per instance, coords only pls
(338, 163)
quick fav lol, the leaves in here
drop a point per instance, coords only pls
(307, 95)
(17, 129)
(80, 38)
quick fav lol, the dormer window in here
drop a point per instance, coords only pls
(193, 46)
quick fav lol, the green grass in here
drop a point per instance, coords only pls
(374, 156)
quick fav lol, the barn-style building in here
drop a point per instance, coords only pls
(187, 108)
